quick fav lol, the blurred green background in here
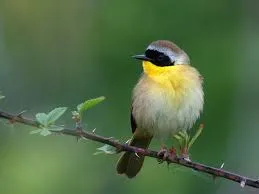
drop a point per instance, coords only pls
(59, 53)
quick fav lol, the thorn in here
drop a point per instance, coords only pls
(187, 159)
(93, 131)
(21, 113)
(136, 154)
(243, 183)
(221, 167)
(128, 141)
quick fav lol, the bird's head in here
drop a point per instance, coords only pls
(163, 53)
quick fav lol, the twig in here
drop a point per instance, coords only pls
(215, 172)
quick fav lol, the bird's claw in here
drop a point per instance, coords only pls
(165, 153)
(184, 154)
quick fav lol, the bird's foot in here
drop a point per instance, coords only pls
(172, 153)
(165, 153)
(184, 154)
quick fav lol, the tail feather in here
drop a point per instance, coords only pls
(130, 164)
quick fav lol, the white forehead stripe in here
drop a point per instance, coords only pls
(181, 58)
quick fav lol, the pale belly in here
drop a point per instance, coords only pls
(162, 112)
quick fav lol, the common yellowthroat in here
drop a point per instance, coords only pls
(167, 98)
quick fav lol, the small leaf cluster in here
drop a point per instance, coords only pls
(106, 149)
(185, 140)
(83, 107)
(47, 120)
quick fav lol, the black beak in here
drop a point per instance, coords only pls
(141, 57)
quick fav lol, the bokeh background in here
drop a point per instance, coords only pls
(59, 53)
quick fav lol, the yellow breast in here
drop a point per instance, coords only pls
(167, 99)
(174, 80)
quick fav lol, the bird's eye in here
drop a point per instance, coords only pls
(160, 57)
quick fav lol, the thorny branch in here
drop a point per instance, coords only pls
(215, 172)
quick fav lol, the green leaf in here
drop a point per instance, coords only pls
(106, 149)
(183, 134)
(179, 139)
(36, 131)
(89, 104)
(41, 131)
(185, 137)
(45, 132)
(49, 119)
(42, 118)
(196, 135)
(55, 114)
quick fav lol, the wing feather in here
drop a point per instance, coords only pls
(132, 121)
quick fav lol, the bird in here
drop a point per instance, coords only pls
(168, 98)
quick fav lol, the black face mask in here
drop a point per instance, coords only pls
(158, 58)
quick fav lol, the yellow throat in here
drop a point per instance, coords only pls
(177, 76)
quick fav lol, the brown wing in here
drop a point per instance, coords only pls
(132, 121)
